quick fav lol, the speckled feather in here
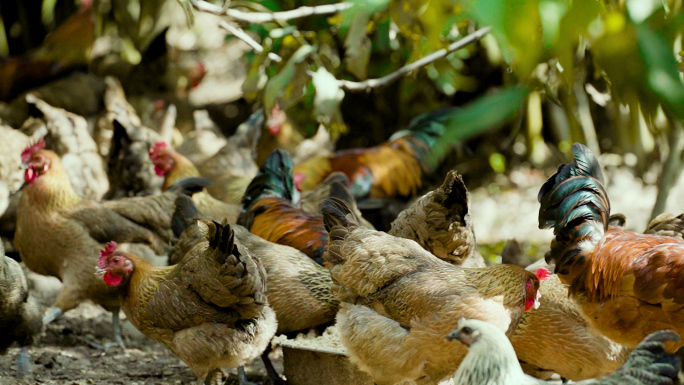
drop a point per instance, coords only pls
(440, 222)
(416, 295)
(210, 309)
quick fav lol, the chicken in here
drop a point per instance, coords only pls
(556, 338)
(11, 178)
(125, 141)
(280, 134)
(552, 338)
(233, 167)
(391, 170)
(335, 185)
(20, 318)
(204, 142)
(67, 134)
(440, 222)
(318, 145)
(668, 225)
(175, 167)
(298, 289)
(58, 233)
(269, 211)
(626, 283)
(210, 309)
(491, 360)
(399, 301)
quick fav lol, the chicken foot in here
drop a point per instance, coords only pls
(118, 340)
(272, 373)
(242, 377)
(51, 315)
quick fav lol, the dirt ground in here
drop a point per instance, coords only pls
(63, 356)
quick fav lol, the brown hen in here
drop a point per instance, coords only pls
(552, 338)
(399, 301)
(175, 167)
(58, 233)
(210, 309)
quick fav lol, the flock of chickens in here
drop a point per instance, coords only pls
(255, 245)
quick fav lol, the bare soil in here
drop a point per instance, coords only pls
(63, 355)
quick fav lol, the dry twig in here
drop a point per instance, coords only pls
(264, 17)
(368, 84)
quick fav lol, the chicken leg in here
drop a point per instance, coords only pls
(242, 377)
(270, 370)
(118, 340)
(23, 366)
(51, 315)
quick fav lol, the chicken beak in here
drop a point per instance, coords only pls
(23, 166)
(100, 271)
(455, 335)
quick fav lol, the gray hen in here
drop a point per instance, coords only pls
(491, 360)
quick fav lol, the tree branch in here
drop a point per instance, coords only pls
(242, 35)
(366, 85)
(264, 17)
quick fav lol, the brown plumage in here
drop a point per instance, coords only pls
(58, 233)
(298, 289)
(440, 222)
(175, 167)
(627, 284)
(232, 168)
(278, 220)
(551, 338)
(335, 185)
(20, 318)
(269, 210)
(667, 224)
(398, 300)
(393, 169)
(210, 309)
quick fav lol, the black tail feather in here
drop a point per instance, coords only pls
(575, 203)
(337, 214)
(184, 215)
(190, 185)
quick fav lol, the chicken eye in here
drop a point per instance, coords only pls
(116, 260)
(466, 330)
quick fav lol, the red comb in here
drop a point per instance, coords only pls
(28, 151)
(543, 273)
(155, 148)
(106, 252)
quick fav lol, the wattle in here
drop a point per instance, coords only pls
(112, 279)
(30, 175)
(529, 303)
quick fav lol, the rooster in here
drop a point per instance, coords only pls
(627, 284)
(269, 210)
(210, 309)
(491, 360)
(399, 300)
(393, 169)
(58, 233)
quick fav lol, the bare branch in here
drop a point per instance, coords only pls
(264, 17)
(387, 79)
(242, 35)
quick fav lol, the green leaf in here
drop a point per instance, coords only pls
(358, 46)
(288, 85)
(479, 116)
(662, 76)
(575, 23)
(517, 26)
